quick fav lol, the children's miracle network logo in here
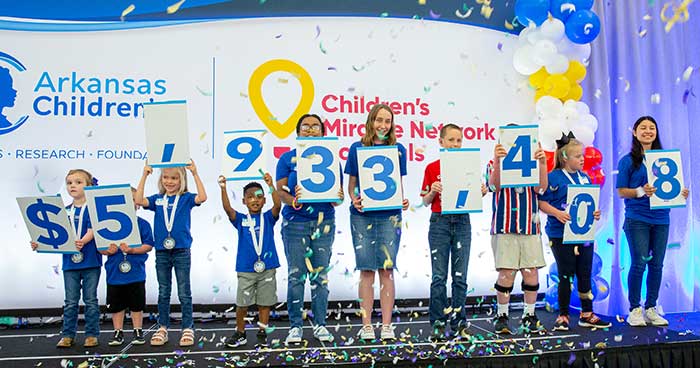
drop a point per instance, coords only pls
(8, 93)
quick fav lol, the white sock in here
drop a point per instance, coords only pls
(502, 309)
(529, 309)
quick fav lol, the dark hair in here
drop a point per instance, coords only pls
(368, 139)
(637, 151)
(250, 185)
(444, 128)
(323, 126)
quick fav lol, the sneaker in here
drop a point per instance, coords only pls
(367, 333)
(562, 323)
(238, 339)
(261, 338)
(138, 337)
(322, 334)
(294, 336)
(636, 318)
(593, 321)
(91, 342)
(65, 342)
(438, 333)
(502, 327)
(530, 323)
(462, 332)
(387, 333)
(117, 339)
(651, 316)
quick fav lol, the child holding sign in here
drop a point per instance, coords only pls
(126, 282)
(173, 207)
(81, 271)
(646, 229)
(515, 240)
(572, 259)
(256, 260)
(450, 241)
(375, 234)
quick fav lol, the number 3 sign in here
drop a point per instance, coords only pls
(380, 179)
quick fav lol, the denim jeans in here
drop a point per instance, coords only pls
(645, 240)
(376, 241)
(75, 281)
(297, 238)
(181, 260)
(450, 240)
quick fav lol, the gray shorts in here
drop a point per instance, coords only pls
(517, 251)
(257, 288)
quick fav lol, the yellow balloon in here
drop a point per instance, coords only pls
(539, 93)
(576, 72)
(537, 79)
(556, 85)
(575, 93)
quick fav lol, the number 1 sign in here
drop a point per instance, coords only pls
(243, 155)
(665, 173)
(519, 168)
(461, 180)
(167, 134)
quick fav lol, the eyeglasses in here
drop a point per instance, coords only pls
(310, 128)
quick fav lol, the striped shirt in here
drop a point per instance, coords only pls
(514, 212)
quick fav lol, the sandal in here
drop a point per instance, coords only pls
(187, 338)
(160, 337)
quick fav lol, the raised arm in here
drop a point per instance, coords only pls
(276, 203)
(138, 197)
(230, 212)
(201, 192)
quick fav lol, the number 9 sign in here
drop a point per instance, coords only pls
(379, 178)
(583, 201)
(519, 168)
(665, 173)
(317, 164)
(243, 155)
(113, 215)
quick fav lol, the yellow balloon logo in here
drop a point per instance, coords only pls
(281, 130)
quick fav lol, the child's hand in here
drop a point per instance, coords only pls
(222, 181)
(436, 187)
(405, 204)
(191, 167)
(79, 244)
(268, 180)
(341, 195)
(297, 191)
(112, 249)
(357, 203)
(685, 192)
(562, 216)
(596, 215)
(147, 170)
(484, 189)
(540, 155)
(34, 245)
(499, 151)
(649, 190)
(125, 248)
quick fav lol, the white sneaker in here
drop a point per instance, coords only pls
(387, 332)
(322, 334)
(651, 316)
(636, 318)
(294, 336)
(367, 333)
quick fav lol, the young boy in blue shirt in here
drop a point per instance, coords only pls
(256, 260)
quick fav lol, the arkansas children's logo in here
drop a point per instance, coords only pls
(8, 94)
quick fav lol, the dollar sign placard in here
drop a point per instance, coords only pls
(48, 224)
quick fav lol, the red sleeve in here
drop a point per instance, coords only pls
(428, 179)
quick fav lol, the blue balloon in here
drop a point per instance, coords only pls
(603, 288)
(597, 265)
(562, 9)
(535, 11)
(553, 273)
(582, 27)
(575, 300)
(551, 297)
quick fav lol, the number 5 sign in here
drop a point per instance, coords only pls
(243, 155)
(461, 180)
(112, 215)
(519, 168)
(583, 201)
(380, 179)
(167, 135)
(665, 173)
(317, 164)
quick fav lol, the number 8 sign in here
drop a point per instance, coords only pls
(519, 168)
(112, 215)
(582, 202)
(243, 155)
(665, 173)
(379, 177)
(318, 165)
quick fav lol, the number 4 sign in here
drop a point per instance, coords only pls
(112, 215)
(665, 173)
(519, 168)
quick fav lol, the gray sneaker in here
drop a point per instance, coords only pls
(636, 318)
(294, 336)
(322, 334)
(651, 316)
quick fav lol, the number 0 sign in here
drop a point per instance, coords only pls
(583, 201)
(380, 179)
(519, 168)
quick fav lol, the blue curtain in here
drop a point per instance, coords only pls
(631, 60)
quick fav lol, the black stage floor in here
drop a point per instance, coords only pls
(620, 346)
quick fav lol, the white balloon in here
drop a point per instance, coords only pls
(549, 132)
(571, 104)
(589, 121)
(545, 52)
(574, 51)
(552, 29)
(582, 108)
(523, 37)
(584, 134)
(559, 65)
(548, 107)
(534, 36)
(522, 60)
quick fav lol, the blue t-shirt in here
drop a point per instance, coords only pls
(352, 170)
(246, 256)
(638, 208)
(287, 168)
(181, 223)
(91, 257)
(138, 261)
(556, 194)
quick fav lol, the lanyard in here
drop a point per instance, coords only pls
(169, 219)
(71, 215)
(578, 173)
(257, 243)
